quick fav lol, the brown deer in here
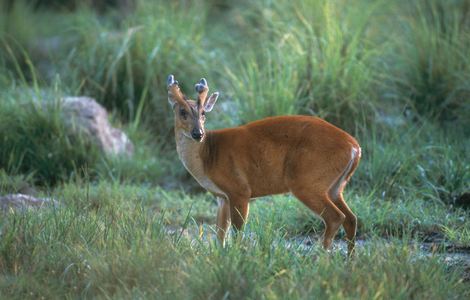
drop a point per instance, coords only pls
(304, 155)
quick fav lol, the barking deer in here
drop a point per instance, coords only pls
(304, 155)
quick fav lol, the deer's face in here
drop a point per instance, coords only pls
(190, 115)
(189, 121)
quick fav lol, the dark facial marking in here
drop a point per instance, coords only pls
(183, 113)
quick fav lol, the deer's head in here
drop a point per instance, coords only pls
(190, 115)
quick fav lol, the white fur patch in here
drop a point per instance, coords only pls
(188, 152)
(341, 180)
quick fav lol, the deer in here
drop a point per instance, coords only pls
(303, 155)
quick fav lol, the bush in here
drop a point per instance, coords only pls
(432, 59)
(319, 63)
(354, 65)
(126, 70)
(34, 140)
(413, 162)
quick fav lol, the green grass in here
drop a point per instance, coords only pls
(433, 63)
(126, 69)
(39, 143)
(116, 241)
(414, 161)
(312, 57)
(36, 140)
(395, 75)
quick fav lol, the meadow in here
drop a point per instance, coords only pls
(394, 74)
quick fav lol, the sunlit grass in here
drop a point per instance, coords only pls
(395, 75)
(113, 241)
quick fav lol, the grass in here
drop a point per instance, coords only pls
(35, 139)
(414, 161)
(127, 69)
(38, 141)
(109, 240)
(395, 75)
(434, 63)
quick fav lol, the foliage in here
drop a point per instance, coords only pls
(433, 61)
(36, 140)
(395, 74)
(110, 240)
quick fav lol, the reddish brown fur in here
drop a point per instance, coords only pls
(304, 155)
(299, 154)
(264, 157)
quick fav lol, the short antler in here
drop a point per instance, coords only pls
(202, 89)
(174, 92)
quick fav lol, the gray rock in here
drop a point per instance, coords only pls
(22, 202)
(92, 119)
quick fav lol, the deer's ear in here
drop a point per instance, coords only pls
(211, 101)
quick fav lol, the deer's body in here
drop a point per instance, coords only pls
(262, 157)
(304, 155)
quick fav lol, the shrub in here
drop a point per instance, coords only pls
(321, 63)
(34, 140)
(126, 69)
(418, 162)
(432, 59)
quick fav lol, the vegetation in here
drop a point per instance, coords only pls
(395, 74)
(113, 241)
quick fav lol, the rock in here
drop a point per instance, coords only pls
(92, 119)
(22, 202)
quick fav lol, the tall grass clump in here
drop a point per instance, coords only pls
(264, 84)
(414, 162)
(29, 40)
(433, 59)
(36, 141)
(125, 66)
(15, 31)
(312, 57)
(340, 72)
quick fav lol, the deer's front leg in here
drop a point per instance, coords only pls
(239, 212)
(223, 219)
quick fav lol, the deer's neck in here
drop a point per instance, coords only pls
(189, 152)
(191, 155)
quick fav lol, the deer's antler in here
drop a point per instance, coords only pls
(174, 92)
(202, 89)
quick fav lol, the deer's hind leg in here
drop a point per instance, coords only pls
(350, 222)
(317, 199)
(336, 194)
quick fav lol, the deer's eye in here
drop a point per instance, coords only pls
(183, 114)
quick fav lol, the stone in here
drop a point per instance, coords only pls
(22, 202)
(91, 119)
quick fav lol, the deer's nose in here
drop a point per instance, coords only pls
(197, 133)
